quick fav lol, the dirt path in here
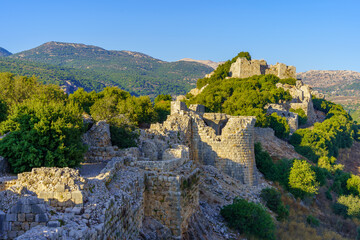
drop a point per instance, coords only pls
(91, 169)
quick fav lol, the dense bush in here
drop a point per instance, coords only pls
(352, 204)
(249, 218)
(272, 198)
(124, 136)
(42, 134)
(353, 184)
(3, 110)
(340, 183)
(280, 126)
(313, 221)
(162, 107)
(84, 99)
(303, 178)
(290, 81)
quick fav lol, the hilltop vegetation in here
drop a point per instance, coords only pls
(134, 72)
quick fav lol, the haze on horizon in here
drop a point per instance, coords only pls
(321, 35)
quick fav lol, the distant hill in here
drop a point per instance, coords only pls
(342, 87)
(135, 72)
(209, 63)
(62, 76)
(4, 52)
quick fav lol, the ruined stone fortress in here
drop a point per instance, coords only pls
(158, 180)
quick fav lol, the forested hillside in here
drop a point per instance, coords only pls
(135, 72)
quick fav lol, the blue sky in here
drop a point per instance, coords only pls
(314, 34)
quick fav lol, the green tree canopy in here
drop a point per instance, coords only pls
(42, 134)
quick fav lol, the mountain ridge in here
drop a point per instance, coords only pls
(4, 52)
(135, 72)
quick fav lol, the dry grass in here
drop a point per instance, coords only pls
(296, 227)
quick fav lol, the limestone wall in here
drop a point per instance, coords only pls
(282, 71)
(291, 118)
(302, 99)
(59, 187)
(25, 214)
(172, 198)
(214, 139)
(243, 68)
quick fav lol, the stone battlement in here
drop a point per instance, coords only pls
(244, 68)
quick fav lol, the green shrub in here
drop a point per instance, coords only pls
(249, 218)
(340, 209)
(272, 198)
(280, 126)
(352, 203)
(340, 183)
(303, 178)
(3, 110)
(290, 81)
(353, 184)
(328, 195)
(264, 163)
(321, 175)
(123, 136)
(312, 221)
(42, 135)
(162, 107)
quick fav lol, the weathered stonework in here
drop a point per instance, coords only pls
(215, 139)
(244, 68)
(28, 212)
(281, 110)
(302, 99)
(173, 197)
(59, 187)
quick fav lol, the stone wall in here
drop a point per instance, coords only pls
(27, 213)
(282, 71)
(302, 99)
(172, 197)
(214, 139)
(291, 118)
(244, 68)
(59, 187)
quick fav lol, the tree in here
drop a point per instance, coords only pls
(249, 218)
(42, 134)
(303, 178)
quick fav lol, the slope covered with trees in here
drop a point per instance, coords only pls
(134, 72)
